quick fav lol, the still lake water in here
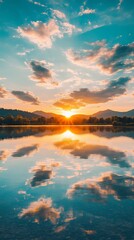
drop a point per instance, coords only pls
(66, 183)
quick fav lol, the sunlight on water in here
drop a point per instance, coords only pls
(68, 134)
(66, 183)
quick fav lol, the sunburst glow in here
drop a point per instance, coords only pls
(67, 114)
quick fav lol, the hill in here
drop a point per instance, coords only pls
(14, 112)
(75, 118)
(109, 113)
(46, 114)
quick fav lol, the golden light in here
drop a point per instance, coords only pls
(67, 114)
(68, 134)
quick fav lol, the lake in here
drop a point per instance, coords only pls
(66, 182)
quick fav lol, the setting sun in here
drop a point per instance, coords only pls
(67, 114)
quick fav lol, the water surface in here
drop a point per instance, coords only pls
(66, 183)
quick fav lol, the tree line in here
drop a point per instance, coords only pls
(21, 120)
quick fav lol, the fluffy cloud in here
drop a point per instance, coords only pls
(59, 14)
(25, 151)
(40, 33)
(42, 210)
(43, 34)
(3, 92)
(84, 96)
(120, 187)
(109, 61)
(69, 103)
(26, 97)
(84, 151)
(41, 73)
(69, 28)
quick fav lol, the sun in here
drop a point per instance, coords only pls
(67, 114)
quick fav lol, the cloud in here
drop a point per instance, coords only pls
(26, 97)
(37, 3)
(42, 210)
(24, 52)
(21, 192)
(85, 11)
(25, 151)
(69, 103)
(119, 4)
(40, 33)
(3, 92)
(109, 61)
(84, 151)
(69, 28)
(41, 73)
(59, 14)
(2, 78)
(84, 96)
(109, 184)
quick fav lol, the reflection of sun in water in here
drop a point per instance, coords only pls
(68, 134)
(67, 114)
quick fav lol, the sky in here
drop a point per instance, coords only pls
(61, 55)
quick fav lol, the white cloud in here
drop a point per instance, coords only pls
(85, 11)
(119, 4)
(40, 33)
(59, 14)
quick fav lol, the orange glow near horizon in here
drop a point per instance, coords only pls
(67, 114)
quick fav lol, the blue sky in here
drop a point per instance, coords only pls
(67, 55)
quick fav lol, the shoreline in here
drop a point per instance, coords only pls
(66, 125)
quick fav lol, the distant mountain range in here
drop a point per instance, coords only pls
(14, 112)
(46, 115)
(109, 113)
(102, 114)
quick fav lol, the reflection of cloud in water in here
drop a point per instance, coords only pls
(88, 232)
(83, 150)
(120, 187)
(69, 216)
(60, 229)
(2, 169)
(3, 155)
(25, 151)
(42, 210)
(42, 174)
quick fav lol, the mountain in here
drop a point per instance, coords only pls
(78, 117)
(109, 113)
(46, 115)
(14, 112)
